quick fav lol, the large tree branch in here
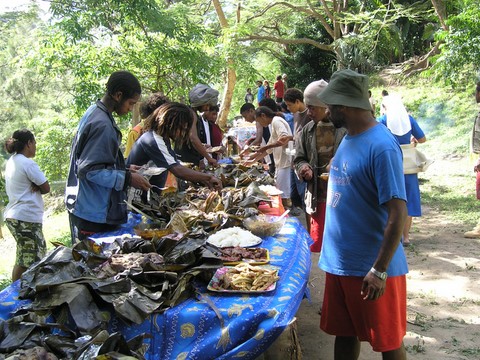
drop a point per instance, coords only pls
(220, 14)
(440, 9)
(327, 10)
(288, 41)
(424, 61)
(302, 9)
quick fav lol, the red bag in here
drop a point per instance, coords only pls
(478, 185)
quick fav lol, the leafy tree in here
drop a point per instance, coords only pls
(460, 52)
(31, 95)
(355, 33)
(164, 44)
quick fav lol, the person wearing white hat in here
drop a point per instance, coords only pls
(202, 98)
(314, 148)
(284, 79)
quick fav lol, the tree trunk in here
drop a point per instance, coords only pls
(441, 10)
(136, 114)
(424, 61)
(227, 94)
(231, 73)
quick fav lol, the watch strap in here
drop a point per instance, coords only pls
(380, 275)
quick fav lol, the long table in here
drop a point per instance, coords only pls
(218, 325)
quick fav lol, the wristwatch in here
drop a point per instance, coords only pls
(380, 275)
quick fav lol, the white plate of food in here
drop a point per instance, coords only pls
(234, 236)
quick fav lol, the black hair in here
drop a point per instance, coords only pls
(147, 108)
(245, 107)
(125, 82)
(18, 141)
(284, 107)
(384, 93)
(214, 108)
(265, 110)
(270, 103)
(292, 95)
(173, 120)
(152, 103)
(279, 77)
(478, 86)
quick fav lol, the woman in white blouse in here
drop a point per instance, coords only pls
(25, 184)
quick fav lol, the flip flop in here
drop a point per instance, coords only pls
(406, 244)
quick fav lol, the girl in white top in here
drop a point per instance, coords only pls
(25, 183)
(280, 135)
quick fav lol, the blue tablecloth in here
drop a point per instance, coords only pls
(237, 325)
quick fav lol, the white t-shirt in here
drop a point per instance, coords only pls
(23, 203)
(278, 128)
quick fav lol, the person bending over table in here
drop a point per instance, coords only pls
(172, 121)
(277, 144)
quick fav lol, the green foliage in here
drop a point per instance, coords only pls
(5, 281)
(462, 45)
(384, 34)
(56, 138)
(305, 63)
(166, 47)
(3, 194)
(28, 94)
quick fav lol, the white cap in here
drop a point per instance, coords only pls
(311, 92)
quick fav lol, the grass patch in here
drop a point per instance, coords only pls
(4, 282)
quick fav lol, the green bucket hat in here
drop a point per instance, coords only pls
(347, 88)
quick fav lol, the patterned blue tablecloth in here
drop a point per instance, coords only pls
(245, 326)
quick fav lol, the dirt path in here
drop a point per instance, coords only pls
(443, 296)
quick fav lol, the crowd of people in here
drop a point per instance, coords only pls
(345, 173)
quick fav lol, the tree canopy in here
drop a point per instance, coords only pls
(52, 70)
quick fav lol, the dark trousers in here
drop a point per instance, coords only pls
(297, 190)
(81, 229)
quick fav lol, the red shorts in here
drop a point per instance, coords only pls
(317, 223)
(383, 322)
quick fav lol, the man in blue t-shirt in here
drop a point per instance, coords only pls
(365, 215)
(260, 92)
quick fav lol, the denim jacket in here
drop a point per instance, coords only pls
(96, 183)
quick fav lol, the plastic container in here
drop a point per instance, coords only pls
(264, 225)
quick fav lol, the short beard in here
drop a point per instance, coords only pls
(337, 118)
(338, 124)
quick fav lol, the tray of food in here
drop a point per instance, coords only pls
(244, 278)
(151, 230)
(236, 255)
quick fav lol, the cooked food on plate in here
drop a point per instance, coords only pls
(245, 277)
(237, 254)
(234, 236)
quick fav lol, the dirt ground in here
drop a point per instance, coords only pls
(443, 296)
